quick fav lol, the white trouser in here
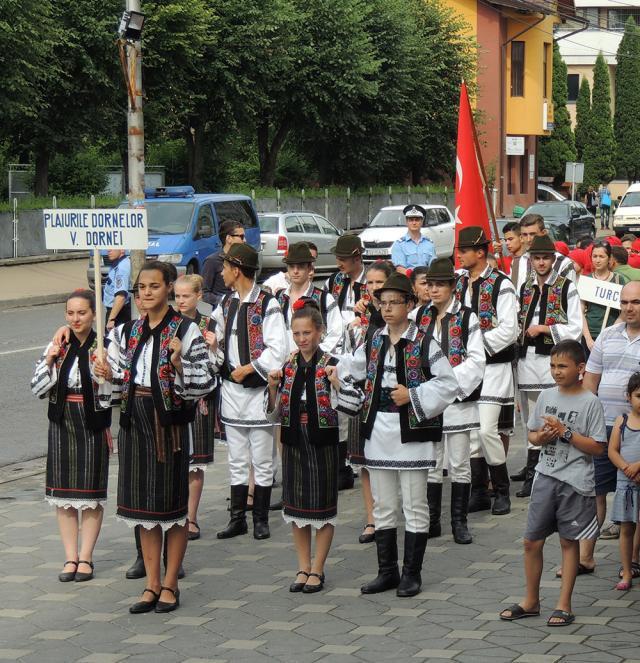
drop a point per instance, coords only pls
(413, 486)
(458, 448)
(250, 446)
(343, 426)
(528, 400)
(488, 442)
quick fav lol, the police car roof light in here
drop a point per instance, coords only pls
(169, 192)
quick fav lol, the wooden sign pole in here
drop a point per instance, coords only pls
(97, 276)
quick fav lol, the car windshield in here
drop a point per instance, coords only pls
(268, 223)
(393, 218)
(632, 199)
(552, 213)
(166, 218)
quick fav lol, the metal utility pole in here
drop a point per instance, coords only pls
(135, 131)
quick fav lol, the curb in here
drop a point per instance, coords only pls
(49, 257)
(27, 468)
(39, 300)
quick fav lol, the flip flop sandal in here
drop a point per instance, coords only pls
(565, 617)
(635, 570)
(582, 571)
(518, 612)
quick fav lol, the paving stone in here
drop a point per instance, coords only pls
(460, 581)
(146, 639)
(103, 658)
(434, 596)
(564, 638)
(345, 650)
(188, 621)
(242, 644)
(18, 579)
(221, 571)
(344, 591)
(55, 597)
(405, 612)
(99, 616)
(19, 550)
(486, 566)
(246, 558)
(226, 605)
(55, 635)
(13, 654)
(371, 630)
(466, 635)
(314, 607)
(437, 653)
(607, 603)
(261, 589)
(205, 660)
(11, 613)
(279, 626)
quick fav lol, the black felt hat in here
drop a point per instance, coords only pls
(441, 270)
(542, 244)
(242, 255)
(298, 254)
(414, 211)
(348, 246)
(472, 237)
(397, 282)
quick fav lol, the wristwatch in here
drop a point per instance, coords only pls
(567, 436)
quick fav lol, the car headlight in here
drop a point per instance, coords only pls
(173, 258)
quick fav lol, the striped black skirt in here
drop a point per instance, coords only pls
(309, 483)
(77, 460)
(506, 419)
(355, 443)
(153, 477)
(204, 428)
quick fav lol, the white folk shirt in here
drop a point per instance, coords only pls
(384, 450)
(563, 266)
(534, 373)
(240, 406)
(347, 309)
(498, 385)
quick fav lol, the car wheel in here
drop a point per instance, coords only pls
(192, 268)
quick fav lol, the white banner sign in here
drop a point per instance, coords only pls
(82, 229)
(599, 292)
(514, 145)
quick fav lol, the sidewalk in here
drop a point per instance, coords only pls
(236, 605)
(41, 283)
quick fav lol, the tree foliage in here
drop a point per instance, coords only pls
(583, 115)
(558, 148)
(626, 121)
(599, 148)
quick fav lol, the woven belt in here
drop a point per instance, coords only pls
(386, 403)
(143, 391)
(74, 398)
(304, 417)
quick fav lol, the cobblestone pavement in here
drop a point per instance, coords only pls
(236, 605)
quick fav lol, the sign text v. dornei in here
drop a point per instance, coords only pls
(599, 292)
(82, 229)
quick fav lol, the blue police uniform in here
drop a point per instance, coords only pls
(407, 253)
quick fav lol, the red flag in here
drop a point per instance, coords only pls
(470, 200)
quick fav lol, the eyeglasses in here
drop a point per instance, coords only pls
(392, 302)
(238, 236)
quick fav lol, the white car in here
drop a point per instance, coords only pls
(626, 219)
(389, 224)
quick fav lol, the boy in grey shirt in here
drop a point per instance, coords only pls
(568, 423)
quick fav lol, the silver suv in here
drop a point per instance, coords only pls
(279, 229)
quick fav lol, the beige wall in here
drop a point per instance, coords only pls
(586, 71)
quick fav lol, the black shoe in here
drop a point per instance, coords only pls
(312, 589)
(459, 504)
(388, 575)
(68, 576)
(163, 606)
(520, 475)
(193, 536)
(145, 606)
(434, 497)
(533, 455)
(276, 506)
(83, 577)
(479, 499)
(261, 501)
(500, 480)
(368, 538)
(295, 587)
(238, 506)
(415, 544)
(345, 478)
(136, 570)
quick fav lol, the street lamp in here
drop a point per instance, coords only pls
(131, 25)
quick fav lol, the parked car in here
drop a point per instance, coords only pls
(279, 229)
(389, 224)
(567, 221)
(548, 195)
(626, 218)
(184, 226)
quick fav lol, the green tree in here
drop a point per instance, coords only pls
(559, 147)
(600, 148)
(626, 121)
(583, 115)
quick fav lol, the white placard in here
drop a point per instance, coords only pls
(599, 292)
(514, 145)
(574, 172)
(82, 229)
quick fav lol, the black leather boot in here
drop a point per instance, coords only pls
(261, 502)
(459, 505)
(345, 473)
(388, 575)
(479, 499)
(434, 497)
(137, 570)
(238, 507)
(521, 475)
(500, 480)
(533, 456)
(414, 547)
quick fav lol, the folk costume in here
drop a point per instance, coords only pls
(156, 409)
(493, 299)
(562, 266)
(79, 419)
(556, 305)
(460, 338)
(401, 441)
(248, 331)
(305, 409)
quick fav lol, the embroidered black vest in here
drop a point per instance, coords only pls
(171, 409)
(318, 295)
(553, 311)
(484, 303)
(97, 418)
(339, 286)
(454, 336)
(322, 426)
(412, 370)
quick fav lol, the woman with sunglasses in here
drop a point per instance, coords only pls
(597, 316)
(214, 289)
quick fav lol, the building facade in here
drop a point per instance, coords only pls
(514, 79)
